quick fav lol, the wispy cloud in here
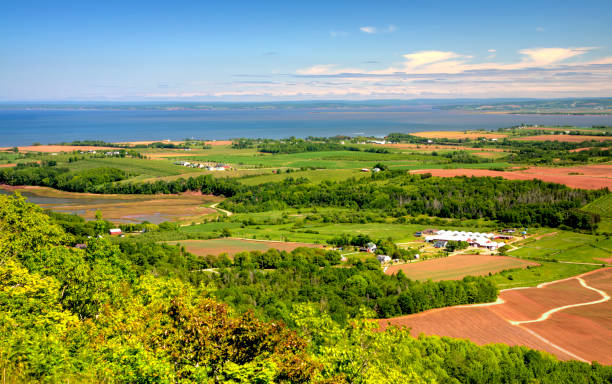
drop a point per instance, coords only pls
(548, 56)
(451, 62)
(320, 69)
(372, 30)
(369, 30)
(540, 29)
(538, 72)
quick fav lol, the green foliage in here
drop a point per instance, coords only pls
(453, 245)
(85, 316)
(300, 146)
(359, 354)
(61, 178)
(465, 157)
(24, 227)
(511, 202)
(310, 275)
(97, 315)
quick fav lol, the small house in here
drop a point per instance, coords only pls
(114, 231)
(81, 246)
(371, 247)
(383, 258)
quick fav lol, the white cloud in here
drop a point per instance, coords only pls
(319, 69)
(549, 56)
(538, 72)
(372, 30)
(423, 59)
(369, 30)
(540, 29)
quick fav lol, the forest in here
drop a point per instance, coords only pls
(398, 194)
(342, 293)
(96, 315)
(392, 193)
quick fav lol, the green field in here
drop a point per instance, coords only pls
(601, 206)
(248, 163)
(531, 277)
(296, 228)
(231, 246)
(566, 246)
(140, 168)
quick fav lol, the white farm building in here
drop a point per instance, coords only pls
(475, 239)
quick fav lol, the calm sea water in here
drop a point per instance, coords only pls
(24, 127)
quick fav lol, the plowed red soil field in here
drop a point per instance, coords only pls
(458, 135)
(431, 147)
(585, 177)
(458, 266)
(534, 317)
(60, 148)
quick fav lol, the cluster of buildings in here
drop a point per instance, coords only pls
(108, 153)
(474, 239)
(208, 167)
(368, 169)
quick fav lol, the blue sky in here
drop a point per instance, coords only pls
(182, 50)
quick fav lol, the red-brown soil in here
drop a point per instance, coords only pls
(545, 235)
(458, 266)
(147, 142)
(528, 304)
(431, 147)
(458, 135)
(587, 148)
(219, 142)
(232, 246)
(560, 129)
(7, 165)
(478, 324)
(585, 177)
(564, 138)
(583, 332)
(59, 148)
